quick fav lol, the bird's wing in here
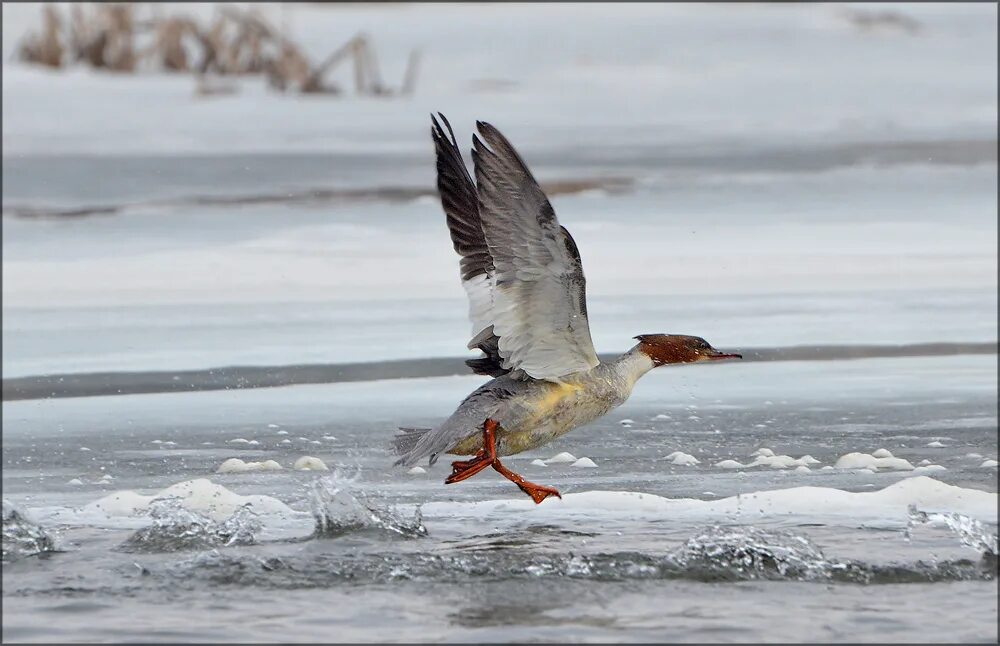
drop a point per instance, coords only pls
(461, 206)
(539, 307)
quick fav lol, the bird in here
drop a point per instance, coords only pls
(524, 279)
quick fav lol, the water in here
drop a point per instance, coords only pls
(684, 559)
(764, 177)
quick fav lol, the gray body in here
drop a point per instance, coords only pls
(530, 412)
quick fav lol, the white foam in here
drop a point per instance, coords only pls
(201, 495)
(156, 442)
(309, 463)
(882, 453)
(988, 464)
(935, 445)
(236, 465)
(869, 461)
(682, 459)
(561, 458)
(888, 504)
(538, 463)
(415, 471)
(584, 463)
(329, 438)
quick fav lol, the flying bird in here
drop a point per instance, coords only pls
(527, 302)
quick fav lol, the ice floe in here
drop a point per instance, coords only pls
(200, 495)
(869, 461)
(561, 458)
(682, 459)
(309, 463)
(236, 465)
(584, 463)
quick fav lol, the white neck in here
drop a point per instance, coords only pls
(632, 365)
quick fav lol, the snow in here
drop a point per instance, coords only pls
(236, 465)
(869, 461)
(561, 458)
(584, 463)
(309, 463)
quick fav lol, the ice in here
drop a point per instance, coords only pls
(285, 441)
(585, 463)
(282, 432)
(626, 422)
(561, 458)
(682, 459)
(935, 445)
(928, 468)
(988, 464)
(973, 456)
(881, 453)
(924, 462)
(888, 504)
(75, 482)
(200, 495)
(416, 471)
(802, 469)
(309, 463)
(868, 461)
(729, 464)
(236, 465)
(538, 463)
(83, 448)
(661, 416)
(239, 440)
(763, 452)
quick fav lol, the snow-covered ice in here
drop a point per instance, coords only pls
(309, 463)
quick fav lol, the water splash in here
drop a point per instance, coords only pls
(750, 553)
(176, 528)
(969, 531)
(339, 511)
(22, 537)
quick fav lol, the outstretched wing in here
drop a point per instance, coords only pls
(461, 207)
(539, 308)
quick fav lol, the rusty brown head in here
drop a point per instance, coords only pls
(678, 348)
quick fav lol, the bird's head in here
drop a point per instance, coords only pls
(678, 348)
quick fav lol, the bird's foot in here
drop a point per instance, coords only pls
(537, 492)
(463, 470)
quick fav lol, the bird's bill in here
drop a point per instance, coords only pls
(724, 355)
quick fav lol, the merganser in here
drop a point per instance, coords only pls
(527, 301)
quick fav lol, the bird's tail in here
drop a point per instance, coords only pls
(406, 440)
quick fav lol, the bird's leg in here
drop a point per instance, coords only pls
(487, 456)
(465, 469)
(537, 492)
